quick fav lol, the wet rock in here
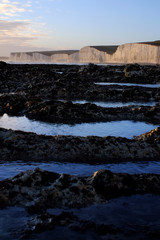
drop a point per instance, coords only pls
(152, 136)
(133, 70)
(75, 82)
(3, 65)
(37, 194)
(12, 104)
(110, 184)
(132, 67)
(4, 201)
(92, 149)
(78, 192)
(67, 112)
(90, 68)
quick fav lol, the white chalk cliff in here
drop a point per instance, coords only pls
(148, 52)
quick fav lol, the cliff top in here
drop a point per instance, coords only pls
(49, 53)
(108, 49)
(154, 43)
(112, 49)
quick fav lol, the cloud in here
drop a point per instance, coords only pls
(17, 34)
(5, 1)
(11, 9)
(21, 36)
(20, 29)
(12, 25)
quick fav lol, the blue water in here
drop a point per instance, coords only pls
(11, 93)
(135, 216)
(115, 104)
(128, 84)
(12, 221)
(10, 169)
(60, 72)
(125, 128)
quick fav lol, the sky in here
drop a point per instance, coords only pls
(33, 25)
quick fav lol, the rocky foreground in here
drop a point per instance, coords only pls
(36, 91)
(77, 82)
(66, 112)
(38, 189)
(30, 146)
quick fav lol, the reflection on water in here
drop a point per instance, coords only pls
(10, 93)
(12, 221)
(136, 216)
(124, 211)
(128, 84)
(115, 104)
(60, 72)
(10, 169)
(126, 129)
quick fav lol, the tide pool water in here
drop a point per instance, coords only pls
(128, 84)
(125, 128)
(115, 104)
(10, 169)
(136, 216)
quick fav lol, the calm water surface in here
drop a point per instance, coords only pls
(11, 93)
(126, 129)
(12, 221)
(135, 216)
(115, 104)
(129, 84)
(10, 169)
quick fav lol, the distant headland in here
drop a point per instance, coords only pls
(142, 52)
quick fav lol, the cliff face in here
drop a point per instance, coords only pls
(29, 57)
(127, 53)
(91, 54)
(140, 53)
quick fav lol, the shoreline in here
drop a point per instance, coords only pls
(107, 204)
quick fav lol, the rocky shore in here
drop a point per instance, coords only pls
(77, 82)
(35, 91)
(38, 189)
(67, 112)
(45, 92)
(30, 146)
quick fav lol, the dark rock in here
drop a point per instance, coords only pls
(109, 184)
(103, 185)
(4, 201)
(3, 65)
(132, 67)
(29, 146)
